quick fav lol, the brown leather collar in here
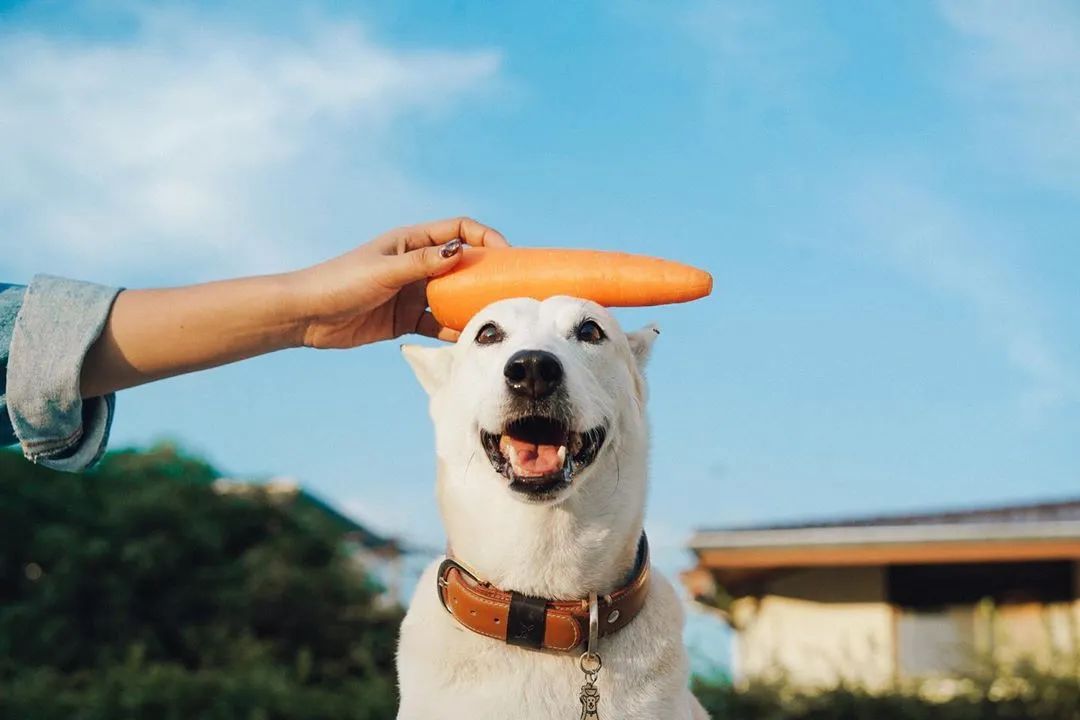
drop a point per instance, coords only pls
(537, 622)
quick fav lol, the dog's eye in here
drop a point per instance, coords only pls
(590, 332)
(490, 334)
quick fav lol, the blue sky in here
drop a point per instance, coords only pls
(888, 197)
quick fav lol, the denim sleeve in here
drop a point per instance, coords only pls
(58, 322)
(11, 297)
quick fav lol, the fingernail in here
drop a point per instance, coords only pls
(450, 249)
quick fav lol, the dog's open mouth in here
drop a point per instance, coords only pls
(540, 455)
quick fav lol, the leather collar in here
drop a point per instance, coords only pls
(539, 623)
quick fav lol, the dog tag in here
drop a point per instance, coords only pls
(590, 697)
(590, 664)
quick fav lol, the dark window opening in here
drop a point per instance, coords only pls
(930, 586)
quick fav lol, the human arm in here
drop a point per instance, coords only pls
(66, 346)
(374, 292)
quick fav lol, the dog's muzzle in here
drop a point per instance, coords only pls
(540, 455)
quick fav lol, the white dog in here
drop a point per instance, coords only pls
(542, 448)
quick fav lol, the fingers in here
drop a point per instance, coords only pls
(430, 327)
(463, 228)
(442, 231)
(449, 335)
(420, 264)
(424, 251)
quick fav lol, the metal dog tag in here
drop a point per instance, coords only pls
(590, 696)
(590, 664)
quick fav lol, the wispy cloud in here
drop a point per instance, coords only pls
(1019, 66)
(761, 54)
(191, 144)
(1016, 68)
(933, 240)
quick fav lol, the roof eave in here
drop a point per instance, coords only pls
(883, 535)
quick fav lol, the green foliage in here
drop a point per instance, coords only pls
(1018, 693)
(137, 591)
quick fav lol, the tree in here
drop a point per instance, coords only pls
(136, 591)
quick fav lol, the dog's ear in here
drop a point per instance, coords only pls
(430, 364)
(641, 343)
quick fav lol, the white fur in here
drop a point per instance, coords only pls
(582, 541)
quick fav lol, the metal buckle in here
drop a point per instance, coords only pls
(441, 582)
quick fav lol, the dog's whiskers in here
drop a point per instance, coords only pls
(618, 476)
(468, 463)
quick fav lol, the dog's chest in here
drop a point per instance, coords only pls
(446, 671)
(486, 680)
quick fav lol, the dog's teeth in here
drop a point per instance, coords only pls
(562, 454)
(513, 454)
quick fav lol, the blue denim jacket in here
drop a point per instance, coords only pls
(46, 329)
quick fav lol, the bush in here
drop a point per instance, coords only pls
(262, 690)
(1017, 693)
(137, 591)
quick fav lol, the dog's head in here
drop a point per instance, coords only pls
(539, 394)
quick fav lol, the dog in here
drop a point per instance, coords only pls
(542, 452)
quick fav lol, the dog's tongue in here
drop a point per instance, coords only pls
(531, 459)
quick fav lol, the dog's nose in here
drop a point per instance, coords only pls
(533, 373)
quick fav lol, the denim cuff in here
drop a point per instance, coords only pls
(59, 321)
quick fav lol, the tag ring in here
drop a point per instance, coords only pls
(594, 622)
(590, 662)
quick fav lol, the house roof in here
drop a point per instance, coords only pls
(1065, 509)
(1038, 531)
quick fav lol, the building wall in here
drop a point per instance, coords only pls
(1074, 624)
(1040, 633)
(939, 641)
(817, 627)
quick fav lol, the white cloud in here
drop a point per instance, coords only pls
(190, 145)
(1020, 69)
(932, 240)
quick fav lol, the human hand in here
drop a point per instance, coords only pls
(379, 290)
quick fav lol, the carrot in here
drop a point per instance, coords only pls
(614, 279)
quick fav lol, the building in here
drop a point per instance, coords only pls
(879, 599)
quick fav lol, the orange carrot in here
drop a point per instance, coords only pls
(614, 279)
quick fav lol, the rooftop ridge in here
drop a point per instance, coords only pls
(1041, 510)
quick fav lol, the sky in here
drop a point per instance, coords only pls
(887, 195)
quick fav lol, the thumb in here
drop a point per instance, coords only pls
(423, 263)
